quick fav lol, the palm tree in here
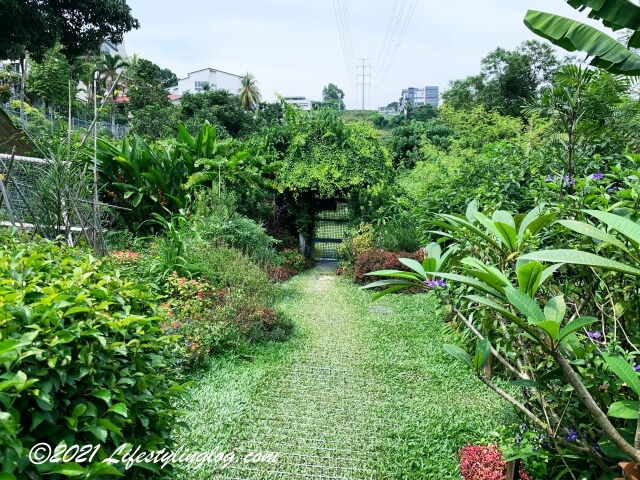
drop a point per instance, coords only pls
(112, 65)
(249, 92)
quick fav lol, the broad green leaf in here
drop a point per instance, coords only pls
(103, 394)
(472, 208)
(525, 304)
(120, 409)
(575, 325)
(491, 304)
(551, 327)
(623, 370)
(577, 257)
(529, 217)
(593, 232)
(483, 352)
(413, 265)
(391, 290)
(529, 277)
(626, 227)
(555, 309)
(548, 273)
(572, 35)
(505, 217)
(498, 279)
(470, 281)
(615, 14)
(629, 409)
(383, 283)
(508, 234)
(493, 229)
(458, 353)
(71, 469)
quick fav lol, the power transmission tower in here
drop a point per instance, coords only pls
(363, 75)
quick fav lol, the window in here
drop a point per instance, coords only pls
(200, 85)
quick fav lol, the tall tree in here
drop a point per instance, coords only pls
(508, 79)
(35, 26)
(249, 92)
(112, 67)
(49, 80)
(333, 96)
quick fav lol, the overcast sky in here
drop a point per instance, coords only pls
(293, 47)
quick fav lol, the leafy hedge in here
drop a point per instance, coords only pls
(81, 360)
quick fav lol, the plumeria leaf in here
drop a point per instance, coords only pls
(414, 265)
(458, 353)
(623, 370)
(525, 304)
(529, 277)
(555, 309)
(551, 327)
(629, 409)
(575, 325)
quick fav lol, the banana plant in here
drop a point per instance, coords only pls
(605, 51)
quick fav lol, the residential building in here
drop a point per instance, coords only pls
(417, 97)
(198, 81)
(301, 102)
(388, 111)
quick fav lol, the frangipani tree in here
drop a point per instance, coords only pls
(605, 51)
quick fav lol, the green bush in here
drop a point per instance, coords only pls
(80, 359)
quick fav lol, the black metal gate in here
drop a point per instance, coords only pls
(331, 227)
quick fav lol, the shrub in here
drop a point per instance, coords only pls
(249, 293)
(357, 242)
(479, 462)
(81, 358)
(399, 235)
(378, 259)
(196, 312)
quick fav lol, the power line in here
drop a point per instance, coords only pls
(396, 21)
(400, 38)
(345, 42)
(341, 37)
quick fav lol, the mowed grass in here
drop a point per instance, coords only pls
(415, 405)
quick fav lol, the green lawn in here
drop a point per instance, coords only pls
(363, 390)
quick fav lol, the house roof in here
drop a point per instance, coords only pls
(211, 70)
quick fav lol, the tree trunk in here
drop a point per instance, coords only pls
(23, 67)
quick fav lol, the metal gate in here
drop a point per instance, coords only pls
(331, 227)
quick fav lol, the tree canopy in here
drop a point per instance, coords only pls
(508, 79)
(333, 97)
(35, 26)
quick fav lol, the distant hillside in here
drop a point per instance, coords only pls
(12, 136)
(367, 116)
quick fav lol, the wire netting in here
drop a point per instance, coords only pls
(331, 229)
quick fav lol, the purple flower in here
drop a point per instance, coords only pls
(549, 178)
(594, 335)
(570, 180)
(612, 190)
(571, 435)
(636, 367)
(435, 283)
(597, 176)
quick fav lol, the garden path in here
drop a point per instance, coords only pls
(317, 415)
(363, 392)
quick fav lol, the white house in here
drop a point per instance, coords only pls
(216, 80)
(301, 102)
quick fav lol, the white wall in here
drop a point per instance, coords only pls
(216, 79)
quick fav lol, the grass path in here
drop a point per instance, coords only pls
(363, 391)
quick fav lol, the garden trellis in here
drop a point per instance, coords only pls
(48, 198)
